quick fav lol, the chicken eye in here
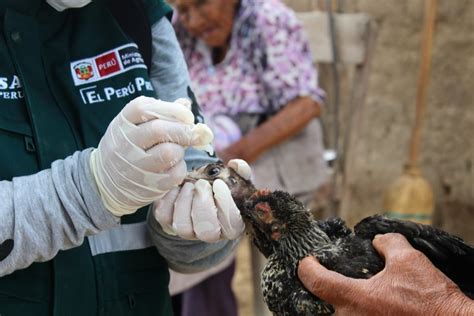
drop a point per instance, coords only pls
(275, 227)
(260, 213)
(214, 172)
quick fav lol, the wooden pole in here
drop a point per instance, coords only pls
(410, 196)
(425, 69)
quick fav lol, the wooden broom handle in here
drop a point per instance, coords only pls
(425, 67)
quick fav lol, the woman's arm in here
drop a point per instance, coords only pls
(288, 122)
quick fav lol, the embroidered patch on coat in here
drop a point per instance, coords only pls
(107, 64)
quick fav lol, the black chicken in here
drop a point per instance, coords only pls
(285, 232)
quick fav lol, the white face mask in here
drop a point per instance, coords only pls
(61, 5)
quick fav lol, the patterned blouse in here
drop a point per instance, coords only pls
(267, 65)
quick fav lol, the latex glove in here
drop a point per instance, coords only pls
(201, 211)
(61, 5)
(140, 157)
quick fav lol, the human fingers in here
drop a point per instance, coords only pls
(227, 212)
(204, 213)
(241, 167)
(155, 132)
(162, 157)
(328, 285)
(182, 222)
(159, 158)
(146, 121)
(140, 157)
(390, 245)
(185, 102)
(143, 109)
(163, 211)
(174, 176)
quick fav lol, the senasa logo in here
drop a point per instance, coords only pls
(84, 70)
(107, 64)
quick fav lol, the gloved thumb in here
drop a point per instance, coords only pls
(241, 167)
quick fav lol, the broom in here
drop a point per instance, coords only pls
(410, 197)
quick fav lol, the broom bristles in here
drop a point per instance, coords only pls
(410, 197)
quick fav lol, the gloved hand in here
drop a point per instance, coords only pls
(140, 157)
(199, 211)
(61, 5)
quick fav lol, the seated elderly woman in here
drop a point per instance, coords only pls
(253, 75)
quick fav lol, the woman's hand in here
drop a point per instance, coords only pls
(234, 151)
(408, 285)
(288, 122)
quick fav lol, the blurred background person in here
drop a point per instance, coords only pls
(252, 72)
